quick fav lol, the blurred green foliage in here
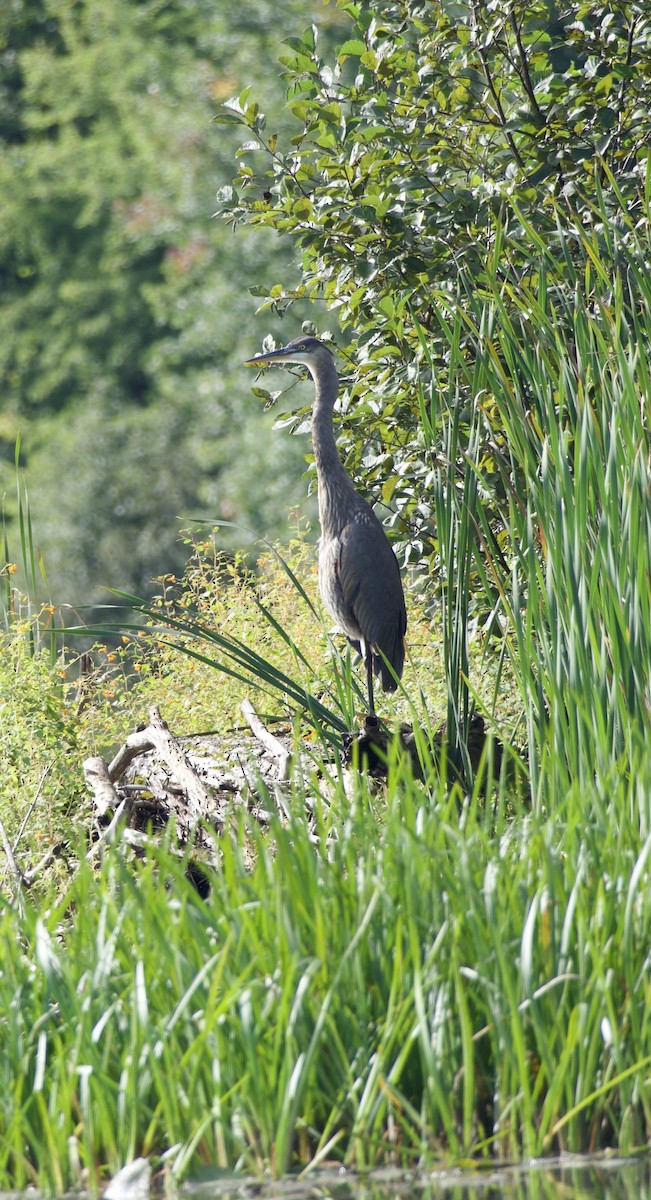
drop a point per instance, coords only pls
(124, 309)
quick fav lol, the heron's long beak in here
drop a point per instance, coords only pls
(261, 360)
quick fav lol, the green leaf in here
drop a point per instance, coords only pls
(353, 47)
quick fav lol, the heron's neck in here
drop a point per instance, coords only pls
(333, 482)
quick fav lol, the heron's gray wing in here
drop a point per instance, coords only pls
(371, 589)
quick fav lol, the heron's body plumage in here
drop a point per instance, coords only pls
(359, 581)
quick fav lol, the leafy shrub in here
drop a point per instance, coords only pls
(444, 154)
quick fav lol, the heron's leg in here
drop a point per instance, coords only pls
(369, 679)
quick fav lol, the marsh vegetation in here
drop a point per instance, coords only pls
(412, 970)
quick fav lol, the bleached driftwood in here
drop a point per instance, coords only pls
(280, 752)
(156, 774)
(166, 768)
(99, 781)
(198, 779)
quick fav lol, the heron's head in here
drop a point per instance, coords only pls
(307, 351)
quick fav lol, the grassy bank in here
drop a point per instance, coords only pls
(410, 971)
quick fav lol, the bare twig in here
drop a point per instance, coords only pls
(13, 868)
(275, 748)
(33, 872)
(524, 69)
(25, 879)
(268, 740)
(490, 83)
(108, 834)
(23, 824)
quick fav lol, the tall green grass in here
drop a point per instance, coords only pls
(378, 981)
(451, 434)
(23, 576)
(561, 383)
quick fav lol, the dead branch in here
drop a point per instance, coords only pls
(268, 740)
(98, 778)
(173, 780)
(108, 835)
(37, 795)
(136, 744)
(14, 869)
(171, 751)
(43, 863)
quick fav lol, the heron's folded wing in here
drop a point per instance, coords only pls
(371, 587)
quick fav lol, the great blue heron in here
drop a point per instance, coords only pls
(359, 576)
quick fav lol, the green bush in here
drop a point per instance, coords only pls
(442, 152)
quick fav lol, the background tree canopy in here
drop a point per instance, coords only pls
(124, 311)
(416, 166)
(450, 157)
